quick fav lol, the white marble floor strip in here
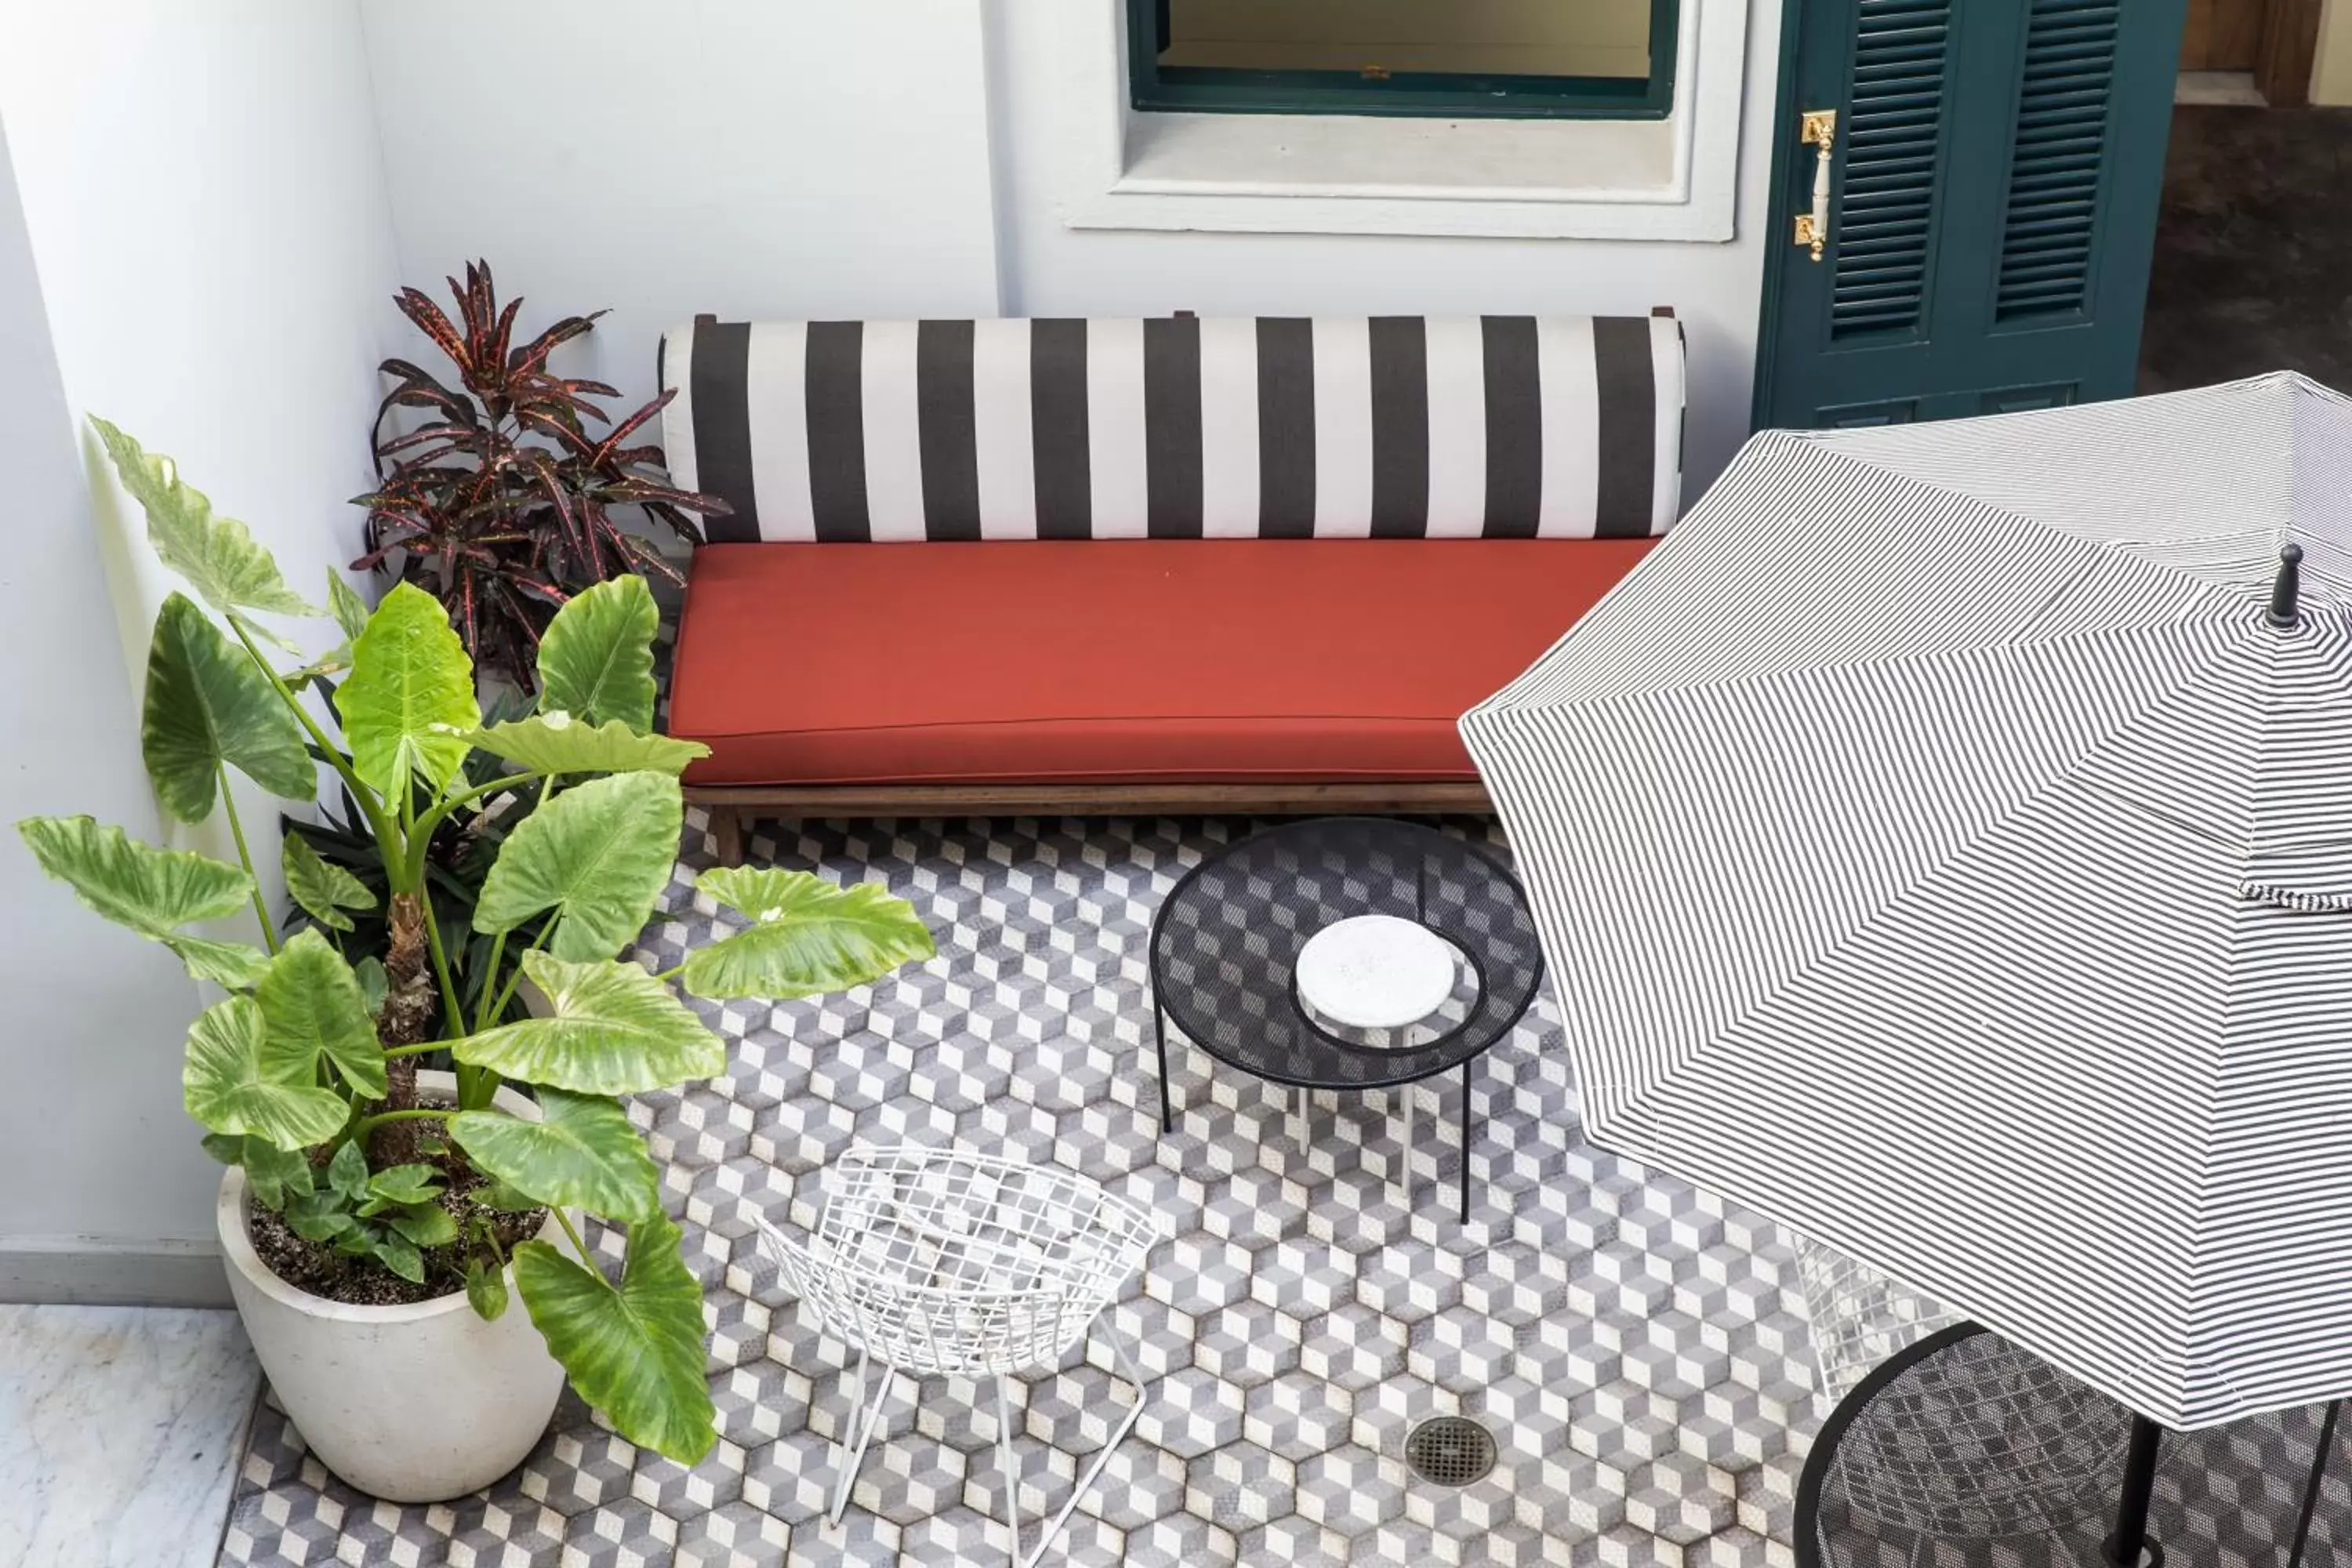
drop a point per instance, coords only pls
(119, 1432)
(2234, 89)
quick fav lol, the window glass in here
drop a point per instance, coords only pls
(1474, 38)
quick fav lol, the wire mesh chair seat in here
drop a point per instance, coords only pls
(945, 1262)
(1858, 1317)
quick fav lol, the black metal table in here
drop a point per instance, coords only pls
(1225, 942)
(1964, 1451)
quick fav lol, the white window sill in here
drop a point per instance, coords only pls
(1669, 179)
(1370, 158)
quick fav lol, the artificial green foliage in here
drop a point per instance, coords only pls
(596, 661)
(807, 936)
(208, 708)
(486, 1286)
(598, 856)
(152, 892)
(634, 1353)
(390, 1215)
(350, 612)
(560, 832)
(230, 1084)
(583, 1153)
(311, 1008)
(556, 742)
(409, 701)
(215, 556)
(326, 892)
(610, 1029)
(272, 1174)
(231, 965)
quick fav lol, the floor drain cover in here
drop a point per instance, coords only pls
(1451, 1450)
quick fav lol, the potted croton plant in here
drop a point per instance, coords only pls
(377, 1218)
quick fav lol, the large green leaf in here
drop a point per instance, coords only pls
(231, 965)
(350, 612)
(229, 1088)
(598, 855)
(215, 555)
(807, 935)
(410, 697)
(583, 1153)
(596, 659)
(311, 1006)
(611, 1029)
(556, 742)
(152, 892)
(636, 1353)
(323, 890)
(208, 703)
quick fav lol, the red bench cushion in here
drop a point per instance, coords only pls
(1107, 661)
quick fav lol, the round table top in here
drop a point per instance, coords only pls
(1227, 941)
(1375, 971)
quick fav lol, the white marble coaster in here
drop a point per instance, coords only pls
(1375, 971)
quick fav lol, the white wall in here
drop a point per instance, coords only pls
(2331, 69)
(203, 198)
(906, 167)
(753, 158)
(94, 1017)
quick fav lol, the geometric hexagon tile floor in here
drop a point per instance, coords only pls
(1638, 1348)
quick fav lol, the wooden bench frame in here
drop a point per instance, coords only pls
(730, 805)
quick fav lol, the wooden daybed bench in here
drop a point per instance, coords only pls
(1164, 565)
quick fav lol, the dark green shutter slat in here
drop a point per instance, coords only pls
(1893, 137)
(2052, 224)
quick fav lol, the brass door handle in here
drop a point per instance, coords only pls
(1819, 130)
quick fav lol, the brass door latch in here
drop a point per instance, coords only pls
(1819, 130)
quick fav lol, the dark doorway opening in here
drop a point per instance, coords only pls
(2252, 268)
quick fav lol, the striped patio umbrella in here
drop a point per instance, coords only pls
(1943, 844)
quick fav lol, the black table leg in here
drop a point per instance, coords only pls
(2318, 1476)
(1159, 1035)
(1465, 1141)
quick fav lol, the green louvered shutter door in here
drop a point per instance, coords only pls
(1893, 133)
(1993, 204)
(2058, 160)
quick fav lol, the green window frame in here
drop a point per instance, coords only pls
(1453, 95)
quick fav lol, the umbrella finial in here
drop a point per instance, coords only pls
(2284, 592)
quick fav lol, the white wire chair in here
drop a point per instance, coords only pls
(1858, 1317)
(943, 1262)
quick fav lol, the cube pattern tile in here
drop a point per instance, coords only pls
(1638, 1348)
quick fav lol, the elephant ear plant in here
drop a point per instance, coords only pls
(304, 1073)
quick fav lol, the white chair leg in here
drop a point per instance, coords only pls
(1011, 1476)
(1094, 1471)
(864, 1416)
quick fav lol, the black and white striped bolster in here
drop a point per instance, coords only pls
(1397, 427)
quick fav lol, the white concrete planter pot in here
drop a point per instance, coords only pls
(413, 1404)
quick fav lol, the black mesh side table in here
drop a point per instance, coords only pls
(1963, 1451)
(1226, 941)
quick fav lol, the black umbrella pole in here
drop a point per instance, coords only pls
(2130, 1546)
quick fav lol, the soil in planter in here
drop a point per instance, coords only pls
(316, 1267)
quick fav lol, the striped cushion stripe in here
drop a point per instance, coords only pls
(833, 402)
(1059, 425)
(1967, 883)
(1176, 427)
(1171, 425)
